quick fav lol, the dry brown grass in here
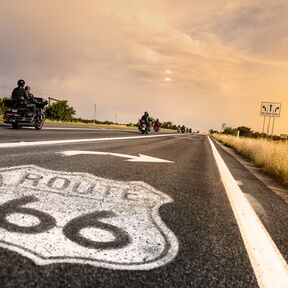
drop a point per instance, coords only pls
(271, 156)
(73, 123)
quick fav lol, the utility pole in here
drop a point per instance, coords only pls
(115, 118)
(94, 113)
(268, 128)
(263, 126)
(273, 127)
(4, 88)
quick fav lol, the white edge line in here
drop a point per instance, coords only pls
(40, 143)
(269, 266)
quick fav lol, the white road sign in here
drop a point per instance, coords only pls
(63, 217)
(270, 109)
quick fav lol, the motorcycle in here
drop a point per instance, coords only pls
(156, 127)
(20, 114)
(143, 128)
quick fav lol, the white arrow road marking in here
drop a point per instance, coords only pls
(268, 264)
(140, 158)
(53, 142)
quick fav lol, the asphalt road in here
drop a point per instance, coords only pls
(98, 220)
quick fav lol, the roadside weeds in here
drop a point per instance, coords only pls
(270, 156)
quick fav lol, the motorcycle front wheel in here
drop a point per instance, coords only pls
(38, 125)
(16, 126)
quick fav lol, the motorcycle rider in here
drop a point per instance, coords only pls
(183, 129)
(146, 120)
(19, 94)
(157, 125)
(30, 98)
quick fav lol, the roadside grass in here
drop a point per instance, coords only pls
(271, 156)
(73, 123)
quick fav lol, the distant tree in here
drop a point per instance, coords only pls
(107, 122)
(211, 131)
(2, 106)
(245, 131)
(230, 131)
(257, 135)
(167, 125)
(60, 111)
(276, 138)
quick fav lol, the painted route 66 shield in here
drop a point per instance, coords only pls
(62, 217)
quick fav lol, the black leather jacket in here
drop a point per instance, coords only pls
(145, 119)
(19, 94)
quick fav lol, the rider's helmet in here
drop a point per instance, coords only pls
(146, 113)
(27, 88)
(21, 83)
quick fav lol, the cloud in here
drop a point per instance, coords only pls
(206, 54)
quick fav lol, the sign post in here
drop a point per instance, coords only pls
(270, 110)
(94, 114)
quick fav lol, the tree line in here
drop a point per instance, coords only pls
(244, 131)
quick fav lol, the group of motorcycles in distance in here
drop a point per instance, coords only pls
(183, 129)
(145, 127)
(23, 109)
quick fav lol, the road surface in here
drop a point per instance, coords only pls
(80, 208)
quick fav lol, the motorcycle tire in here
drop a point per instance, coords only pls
(38, 125)
(16, 126)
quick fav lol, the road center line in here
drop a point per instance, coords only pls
(269, 266)
(52, 142)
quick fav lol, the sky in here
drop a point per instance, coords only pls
(198, 63)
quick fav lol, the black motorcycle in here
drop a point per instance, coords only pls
(22, 114)
(143, 127)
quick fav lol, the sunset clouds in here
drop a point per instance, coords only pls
(199, 63)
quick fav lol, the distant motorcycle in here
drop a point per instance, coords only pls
(156, 127)
(20, 114)
(143, 128)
